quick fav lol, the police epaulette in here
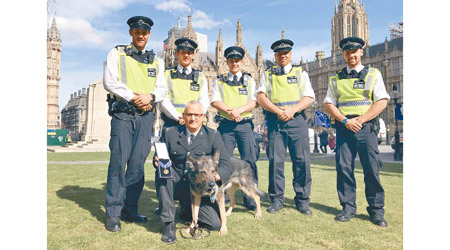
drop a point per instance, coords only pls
(296, 65)
(340, 74)
(246, 73)
(117, 46)
(222, 77)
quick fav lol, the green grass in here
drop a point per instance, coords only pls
(76, 214)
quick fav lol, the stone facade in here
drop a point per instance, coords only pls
(53, 75)
(73, 115)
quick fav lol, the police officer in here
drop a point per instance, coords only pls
(197, 140)
(135, 81)
(356, 96)
(184, 84)
(233, 95)
(284, 92)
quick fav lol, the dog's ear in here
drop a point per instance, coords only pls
(190, 161)
(216, 157)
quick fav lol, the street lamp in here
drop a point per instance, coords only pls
(385, 65)
(316, 149)
(398, 155)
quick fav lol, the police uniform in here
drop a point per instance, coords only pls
(205, 143)
(129, 70)
(285, 86)
(353, 92)
(236, 91)
(184, 85)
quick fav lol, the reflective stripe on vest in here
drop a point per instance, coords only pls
(180, 91)
(351, 101)
(282, 93)
(231, 97)
(133, 73)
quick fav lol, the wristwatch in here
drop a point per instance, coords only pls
(345, 120)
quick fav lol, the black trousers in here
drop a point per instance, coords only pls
(365, 144)
(233, 133)
(130, 145)
(177, 188)
(293, 135)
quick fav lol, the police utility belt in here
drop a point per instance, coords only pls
(122, 105)
(219, 119)
(374, 123)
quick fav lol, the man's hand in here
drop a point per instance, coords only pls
(353, 124)
(217, 177)
(155, 161)
(181, 120)
(286, 114)
(142, 100)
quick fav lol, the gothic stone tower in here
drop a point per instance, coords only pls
(349, 19)
(189, 33)
(53, 75)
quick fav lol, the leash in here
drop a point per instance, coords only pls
(195, 233)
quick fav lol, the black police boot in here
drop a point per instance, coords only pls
(344, 216)
(169, 235)
(137, 218)
(113, 224)
(378, 220)
(304, 209)
(274, 207)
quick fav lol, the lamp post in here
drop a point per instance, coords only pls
(316, 149)
(385, 65)
(398, 156)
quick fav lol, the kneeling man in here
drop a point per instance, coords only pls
(197, 140)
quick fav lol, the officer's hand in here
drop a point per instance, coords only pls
(353, 125)
(238, 118)
(142, 99)
(146, 107)
(234, 113)
(180, 120)
(287, 114)
(155, 161)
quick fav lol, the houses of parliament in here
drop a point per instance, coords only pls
(86, 115)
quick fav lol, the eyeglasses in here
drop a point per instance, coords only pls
(193, 114)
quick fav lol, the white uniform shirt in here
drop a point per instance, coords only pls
(167, 106)
(215, 94)
(305, 81)
(379, 90)
(111, 78)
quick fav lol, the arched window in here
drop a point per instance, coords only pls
(354, 25)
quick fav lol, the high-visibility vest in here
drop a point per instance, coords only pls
(182, 91)
(284, 90)
(235, 96)
(138, 77)
(353, 96)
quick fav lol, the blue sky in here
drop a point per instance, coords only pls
(89, 29)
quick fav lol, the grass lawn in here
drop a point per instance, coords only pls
(76, 214)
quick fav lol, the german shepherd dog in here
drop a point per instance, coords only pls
(202, 174)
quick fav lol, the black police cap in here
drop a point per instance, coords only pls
(282, 45)
(351, 43)
(186, 44)
(234, 52)
(140, 22)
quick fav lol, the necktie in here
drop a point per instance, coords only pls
(235, 79)
(184, 71)
(192, 139)
(353, 73)
(282, 71)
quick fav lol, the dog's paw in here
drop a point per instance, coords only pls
(223, 230)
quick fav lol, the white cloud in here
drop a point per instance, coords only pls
(173, 6)
(76, 30)
(88, 9)
(202, 20)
